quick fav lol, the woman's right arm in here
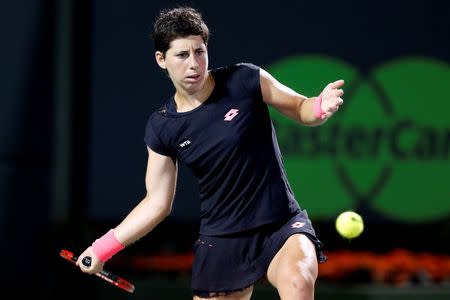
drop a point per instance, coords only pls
(160, 183)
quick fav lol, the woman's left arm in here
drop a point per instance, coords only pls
(308, 111)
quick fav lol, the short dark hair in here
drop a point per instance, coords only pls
(175, 23)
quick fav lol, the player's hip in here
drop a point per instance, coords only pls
(235, 261)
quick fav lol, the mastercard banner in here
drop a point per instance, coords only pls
(385, 151)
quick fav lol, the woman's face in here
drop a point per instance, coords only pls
(186, 61)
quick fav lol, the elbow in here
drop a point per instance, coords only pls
(161, 208)
(165, 208)
(166, 211)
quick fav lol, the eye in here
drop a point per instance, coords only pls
(182, 55)
(199, 51)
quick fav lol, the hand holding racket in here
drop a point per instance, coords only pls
(103, 274)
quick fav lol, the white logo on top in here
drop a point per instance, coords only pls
(185, 143)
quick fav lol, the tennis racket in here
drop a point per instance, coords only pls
(103, 274)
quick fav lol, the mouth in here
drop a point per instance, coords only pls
(193, 77)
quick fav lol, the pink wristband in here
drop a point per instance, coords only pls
(106, 246)
(318, 112)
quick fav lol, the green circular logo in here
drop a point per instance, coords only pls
(386, 150)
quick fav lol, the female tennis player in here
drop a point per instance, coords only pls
(218, 124)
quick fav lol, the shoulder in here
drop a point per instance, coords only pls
(243, 74)
(157, 115)
(247, 66)
(241, 67)
(157, 118)
(158, 131)
(153, 122)
(162, 112)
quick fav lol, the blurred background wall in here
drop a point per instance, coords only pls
(79, 81)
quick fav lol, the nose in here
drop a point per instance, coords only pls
(193, 63)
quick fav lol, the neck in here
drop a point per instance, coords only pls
(185, 101)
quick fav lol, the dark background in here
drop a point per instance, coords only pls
(78, 81)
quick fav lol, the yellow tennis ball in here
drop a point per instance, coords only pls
(349, 224)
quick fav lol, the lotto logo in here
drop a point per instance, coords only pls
(297, 224)
(231, 114)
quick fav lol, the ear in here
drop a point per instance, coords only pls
(159, 56)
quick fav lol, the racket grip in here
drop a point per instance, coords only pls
(86, 261)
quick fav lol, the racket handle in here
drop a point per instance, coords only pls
(86, 261)
(109, 277)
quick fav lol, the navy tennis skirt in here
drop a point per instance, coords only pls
(229, 263)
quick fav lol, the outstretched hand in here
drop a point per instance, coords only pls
(331, 98)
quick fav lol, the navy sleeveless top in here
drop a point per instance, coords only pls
(230, 145)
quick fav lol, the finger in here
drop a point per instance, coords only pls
(336, 84)
(86, 269)
(332, 108)
(336, 102)
(334, 94)
(325, 115)
(339, 92)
